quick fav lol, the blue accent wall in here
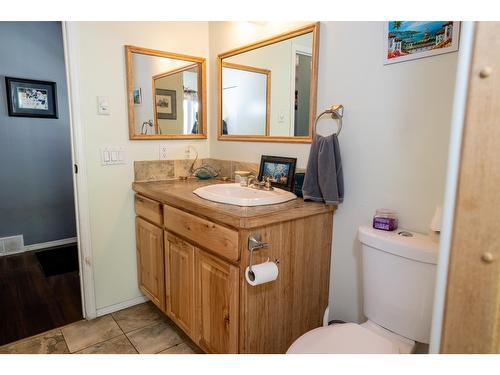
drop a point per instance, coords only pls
(36, 183)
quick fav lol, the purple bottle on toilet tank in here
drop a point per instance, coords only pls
(385, 220)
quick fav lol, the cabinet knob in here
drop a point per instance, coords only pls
(487, 257)
(485, 72)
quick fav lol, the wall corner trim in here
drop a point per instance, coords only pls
(71, 56)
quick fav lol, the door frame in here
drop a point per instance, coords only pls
(453, 169)
(80, 183)
(297, 49)
(466, 313)
(471, 317)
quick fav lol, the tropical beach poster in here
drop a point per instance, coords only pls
(409, 40)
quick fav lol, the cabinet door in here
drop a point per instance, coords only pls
(217, 296)
(179, 281)
(150, 266)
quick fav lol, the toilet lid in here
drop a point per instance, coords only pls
(347, 338)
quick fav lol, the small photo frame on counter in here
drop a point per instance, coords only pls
(279, 169)
(31, 98)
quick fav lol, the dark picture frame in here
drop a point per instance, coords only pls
(280, 169)
(166, 104)
(31, 98)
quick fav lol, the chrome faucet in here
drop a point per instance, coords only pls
(265, 184)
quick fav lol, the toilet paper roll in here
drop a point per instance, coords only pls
(262, 273)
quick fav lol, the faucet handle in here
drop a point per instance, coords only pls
(268, 183)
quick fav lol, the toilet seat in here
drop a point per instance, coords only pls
(347, 338)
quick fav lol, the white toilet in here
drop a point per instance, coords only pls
(399, 270)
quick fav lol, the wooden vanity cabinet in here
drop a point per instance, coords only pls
(150, 264)
(192, 266)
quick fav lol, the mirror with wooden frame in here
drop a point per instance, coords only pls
(166, 95)
(254, 107)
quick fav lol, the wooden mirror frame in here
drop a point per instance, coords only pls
(314, 28)
(202, 89)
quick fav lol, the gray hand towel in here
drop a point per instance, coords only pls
(324, 181)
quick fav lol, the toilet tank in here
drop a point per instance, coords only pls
(399, 275)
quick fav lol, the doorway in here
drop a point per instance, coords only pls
(39, 262)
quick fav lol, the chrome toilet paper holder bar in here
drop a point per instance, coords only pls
(254, 243)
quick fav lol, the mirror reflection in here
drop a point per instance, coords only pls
(165, 95)
(245, 98)
(266, 91)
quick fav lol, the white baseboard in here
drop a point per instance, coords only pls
(44, 245)
(120, 306)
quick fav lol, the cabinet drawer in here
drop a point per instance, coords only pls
(148, 209)
(211, 236)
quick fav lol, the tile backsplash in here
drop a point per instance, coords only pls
(155, 170)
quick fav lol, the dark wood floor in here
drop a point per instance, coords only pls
(31, 303)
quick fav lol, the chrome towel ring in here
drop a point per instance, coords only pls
(337, 112)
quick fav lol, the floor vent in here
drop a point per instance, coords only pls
(11, 245)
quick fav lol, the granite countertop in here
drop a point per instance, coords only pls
(179, 193)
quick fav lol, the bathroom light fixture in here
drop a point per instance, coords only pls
(337, 112)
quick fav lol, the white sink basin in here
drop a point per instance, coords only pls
(243, 196)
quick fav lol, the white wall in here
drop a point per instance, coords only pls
(393, 143)
(102, 72)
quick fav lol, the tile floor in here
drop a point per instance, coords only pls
(138, 329)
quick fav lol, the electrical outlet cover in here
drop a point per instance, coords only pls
(163, 151)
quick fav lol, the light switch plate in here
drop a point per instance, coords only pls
(281, 117)
(103, 106)
(112, 155)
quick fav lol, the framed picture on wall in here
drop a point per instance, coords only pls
(31, 98)
(166, 104)
(280, 170)
(137, 94)
(410, 40)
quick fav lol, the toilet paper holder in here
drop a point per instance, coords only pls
(254, 243)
